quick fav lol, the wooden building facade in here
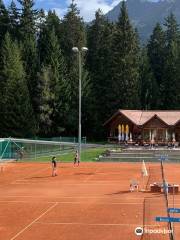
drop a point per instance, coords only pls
(144, 127)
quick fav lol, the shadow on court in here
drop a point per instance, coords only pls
(84, 174)
(49, 176)
(119, 192)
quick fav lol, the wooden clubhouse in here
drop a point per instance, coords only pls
(144, 127)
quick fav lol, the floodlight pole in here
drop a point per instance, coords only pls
(80, 88)
(76, 50)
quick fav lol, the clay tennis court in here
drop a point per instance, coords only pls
(87, 202)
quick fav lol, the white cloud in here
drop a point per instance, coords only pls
(88, 7)
(60, 11)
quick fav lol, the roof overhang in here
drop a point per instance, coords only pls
(155, 116)
(115, 115)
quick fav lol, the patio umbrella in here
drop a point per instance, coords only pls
(150, 135)
(130, 136)
(122, 132)
(127, 132)
(119, 130)
(173, 136)
(166, 135)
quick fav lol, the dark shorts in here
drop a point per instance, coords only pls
(76, 160)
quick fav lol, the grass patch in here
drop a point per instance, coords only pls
(88, 155)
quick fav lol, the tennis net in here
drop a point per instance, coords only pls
(165, 190)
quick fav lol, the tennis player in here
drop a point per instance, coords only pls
(54, 167)
(134, 186)
(166, 187)
(76, 158)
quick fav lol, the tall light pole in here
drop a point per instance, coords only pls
(76, 50)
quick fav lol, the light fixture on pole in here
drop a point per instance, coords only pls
(76, 50)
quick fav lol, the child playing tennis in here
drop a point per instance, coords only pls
(54, 167)
(134, 186)
(76, 158)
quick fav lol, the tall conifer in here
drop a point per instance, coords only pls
(72, 35)
(149, 87)
(170, 85)
(99, 40)
(156, 54)
(27, 28)
(17, 117)
(53, 72)
(14, 21)
(125, 60)
(4, 21)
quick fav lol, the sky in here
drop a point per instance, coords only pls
(87, 7)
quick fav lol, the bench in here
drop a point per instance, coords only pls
(173, 189)
(155, 188)
(159, 188)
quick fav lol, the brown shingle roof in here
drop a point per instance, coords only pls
(140, 117)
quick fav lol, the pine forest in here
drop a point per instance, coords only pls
(39, 73)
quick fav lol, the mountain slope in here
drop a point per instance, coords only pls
(145, 14)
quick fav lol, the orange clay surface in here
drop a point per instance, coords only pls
(172, 173)
(89, 202)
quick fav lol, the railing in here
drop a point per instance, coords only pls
(142, 142)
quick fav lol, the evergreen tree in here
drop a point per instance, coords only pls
(47, 23)
(41, 19)
(53, 21)
(156, 54)
(14, 21)
(52, 60)
(125, 61)
(40, 73)
(149, 88)
(16, 112)
(55, 60)
(27, 28)
(46, 98)
(99, 40)
(72, 35)
(47, 30)
(170, 85)
(28, 18)
(94, 37)
(4, 21)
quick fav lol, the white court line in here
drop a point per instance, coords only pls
(34, 221)
(14, 183)
(85, 197)
(63, 181)
(67, 180)
(96, 203)
(95, 224)
(74, 180)
(27, 202)
(69, 184)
